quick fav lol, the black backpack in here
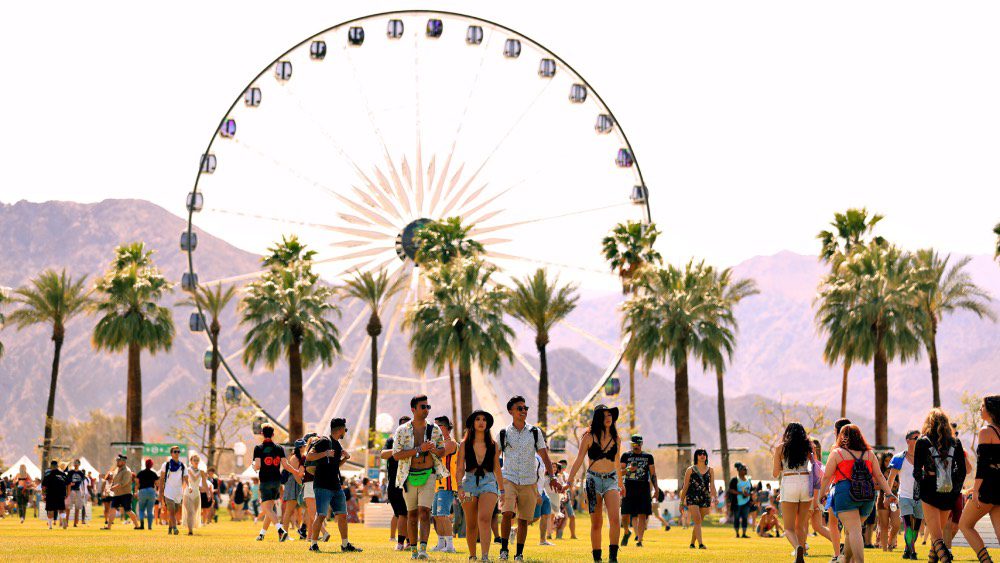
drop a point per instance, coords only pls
(862, 484)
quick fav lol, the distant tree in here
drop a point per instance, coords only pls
(541, 304)
(288, 314)
(50, 299)
(131, 319)
(194, 421)
(851, 229)
(3, 299)
(968, 420)
(90, 438)
(212, 301)
(373, 289)
(996, 231)
(771, 418)
(942, 291)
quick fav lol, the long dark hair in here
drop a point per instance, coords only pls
(992, 405)
(470, 440)
(597, 426)
(795, 446)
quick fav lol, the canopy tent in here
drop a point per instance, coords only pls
(248, 473)
(15, 468)
(88, 468)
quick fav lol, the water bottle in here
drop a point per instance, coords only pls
(893, 507)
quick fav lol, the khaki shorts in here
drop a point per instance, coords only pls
(171, 505)
(523, 497)
(76, 500)
(422, 496)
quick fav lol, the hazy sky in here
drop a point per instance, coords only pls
(753, 121)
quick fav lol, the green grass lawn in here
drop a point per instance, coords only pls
(234, 541)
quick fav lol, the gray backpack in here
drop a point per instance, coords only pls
(944, 465)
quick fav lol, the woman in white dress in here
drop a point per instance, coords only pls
(191, 505)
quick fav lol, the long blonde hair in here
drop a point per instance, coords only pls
(937, 428)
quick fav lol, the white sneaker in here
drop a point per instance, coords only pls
(545, 543)
(448, 549)
(437, 547)
(423, 555)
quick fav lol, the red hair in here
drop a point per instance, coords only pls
(851, 438)
(149, 463)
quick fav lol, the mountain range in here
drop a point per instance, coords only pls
(778, 356)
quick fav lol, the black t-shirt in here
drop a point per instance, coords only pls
(270, 455)
(147, 478)
(54, 483)
(636, 468)
(327, 474)
(391, 465)
(75, 478)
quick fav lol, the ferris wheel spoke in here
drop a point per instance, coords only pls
(397, 183)
(438, 190)
(368, 212)
(280, 164)
(249, 215)
(494, 228)
(588, 336)
(524, 259)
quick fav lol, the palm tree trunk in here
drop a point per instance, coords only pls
(543, 388)
(935, 374)
(213, 397)
(723, 437)
(50, 410)
(133, 395)
(295, 424)
(465, 386)
(631, 397)
(373, 406)
(683, 406)
(843, 391)
(454, 397)
(881, 397)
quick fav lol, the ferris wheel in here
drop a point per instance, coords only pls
(357, 135)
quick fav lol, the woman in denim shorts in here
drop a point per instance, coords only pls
(477, 469)
(601, 444)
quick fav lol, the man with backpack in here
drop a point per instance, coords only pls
(173, 481)
(519, 443)
(418, 446)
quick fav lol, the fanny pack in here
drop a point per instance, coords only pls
(419, 477)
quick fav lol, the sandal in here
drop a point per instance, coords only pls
(984, 556)
(942, 552)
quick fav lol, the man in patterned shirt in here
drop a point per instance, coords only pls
(418, 446)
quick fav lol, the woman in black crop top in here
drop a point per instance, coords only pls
(477, 469)
(986, 490)
(601, 444)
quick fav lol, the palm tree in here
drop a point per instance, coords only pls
(289, 250)
(212, 301)
(131, 319)
(373, 290)
(287, 310)
(628, 249)
(996, 231)
(461, 321)
(540, 305)
(850, 230)
(872, 302)
(440, 242)
(683, 314)
(51, 298)
(942, 291)
(3, 297)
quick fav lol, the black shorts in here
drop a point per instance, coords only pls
(122, 501)
(270, 490)
(55, 504)
(205, 501)
(637, 502)
(397, 501)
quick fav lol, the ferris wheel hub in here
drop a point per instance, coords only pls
(406, 246)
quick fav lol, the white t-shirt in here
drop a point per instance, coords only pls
(905, 468)
(172, 486)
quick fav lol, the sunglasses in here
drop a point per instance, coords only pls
(522, 408)
(425, 407)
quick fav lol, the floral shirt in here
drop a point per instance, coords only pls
(403, 440)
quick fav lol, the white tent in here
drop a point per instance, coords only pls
(248, 473)
(15, 468)
(88, 468)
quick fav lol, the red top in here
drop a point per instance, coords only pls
(844, 466)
